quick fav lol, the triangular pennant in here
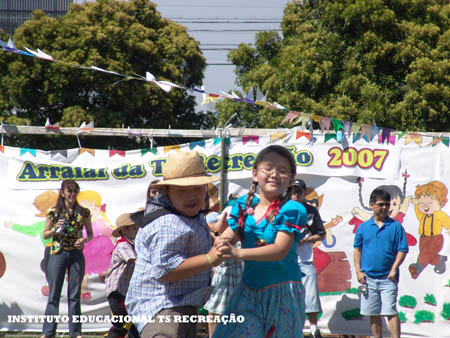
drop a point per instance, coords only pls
(62, 152)
(329, 136)
(414, 137)
(259, 96)
(348, 127)
(113, 152)
(385, 135)
(366, 131)
(87, 150)
(356, 137)
(303, 133)
(401, 134)
(27, 150)
(302, 119)
(253, 138)
(217, 140)
(169, 148)
(316, 118)
(445, 140)
(201, 143)
(325, 123)
(290, 116)
(50, 126)
(374, 131)
(435, 141)
(2, 149)
(276, 136)
(148, 150)
(337, 124)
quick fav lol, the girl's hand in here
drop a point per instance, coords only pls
(222, 223)
(227, 250)
(79, 244)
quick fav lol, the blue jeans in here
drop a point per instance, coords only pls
(73, 261)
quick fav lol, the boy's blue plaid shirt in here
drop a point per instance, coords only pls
(161, 246)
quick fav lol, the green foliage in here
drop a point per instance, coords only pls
(355, 60)
(352, 314)
(129, 37)
(402, 317)
(423, 316)
(445, 313)
(430, 299)
(408, 301)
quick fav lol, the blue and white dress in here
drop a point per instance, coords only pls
(271, 295)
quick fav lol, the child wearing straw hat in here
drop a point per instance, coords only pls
(174, 252)
(119, 275)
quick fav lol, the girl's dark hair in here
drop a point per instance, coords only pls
(60, 205)
(282, 151)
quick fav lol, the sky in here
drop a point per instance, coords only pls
(221, 26)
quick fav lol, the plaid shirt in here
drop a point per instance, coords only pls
(120, 269)
(161, 246)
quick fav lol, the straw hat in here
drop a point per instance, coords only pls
(185, 168)
(122, 222)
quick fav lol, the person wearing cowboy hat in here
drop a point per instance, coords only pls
(119, 274)
(175, 252)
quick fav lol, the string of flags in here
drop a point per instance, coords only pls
(341, 129)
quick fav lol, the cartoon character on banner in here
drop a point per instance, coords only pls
(213, 195)
(397, 211)
(333, 268)
(43, 202)
(429, 200)
(98, 251)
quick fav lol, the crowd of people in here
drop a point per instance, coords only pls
(254, 260)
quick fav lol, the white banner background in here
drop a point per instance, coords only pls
(332, 173)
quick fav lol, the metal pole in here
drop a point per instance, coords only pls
(223, 167)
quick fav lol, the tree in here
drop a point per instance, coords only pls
(128, 37)
(356, 60)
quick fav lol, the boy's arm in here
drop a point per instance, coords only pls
(192, 265)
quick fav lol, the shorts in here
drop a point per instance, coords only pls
(381, 298)
(309, 280)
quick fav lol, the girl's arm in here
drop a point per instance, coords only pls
(48, 231)
(269, 253)
(79, 244)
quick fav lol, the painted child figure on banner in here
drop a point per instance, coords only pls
(43, 202)
(315, 232)
(429, 200)
(380, 248)
(174, 250)
(97, 252)
(270, 297)
(119, 275)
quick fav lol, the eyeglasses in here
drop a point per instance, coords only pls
(383, 204)
(282, 172)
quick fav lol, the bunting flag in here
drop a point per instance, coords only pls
(260, 98)
(325, 123)
(87, 150)
(337, 124)
(154, 151)
(385, 135)
(27, 150)
(87, 127)
(374, 131)
(113, 152)
(348, 127)
(201, 143)
(303, 134)
(290, 117)
(2, 149)
(303, 118)
(445, 140)
(217, 140)
(175, 147)
(401, 134)
(253, 138)
(413, 137)
(50, 126)
(329, 136)
(62, 152)
(316, 118)
(277, 136)
(435, 141)
(359, 135)
(366, 131)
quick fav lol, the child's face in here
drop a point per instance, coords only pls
(395, 206)
(130, 232)
(428, 204)
(274, 175)
(188, 200)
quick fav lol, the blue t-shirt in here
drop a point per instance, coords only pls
(291, 218)
(379, 246)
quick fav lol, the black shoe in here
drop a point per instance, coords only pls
(315, 334)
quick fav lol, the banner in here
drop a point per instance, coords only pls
(339, 177)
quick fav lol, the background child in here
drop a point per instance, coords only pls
(271, 294)
(119, 274)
